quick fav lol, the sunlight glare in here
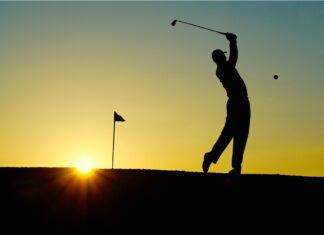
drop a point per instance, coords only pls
(84, 166)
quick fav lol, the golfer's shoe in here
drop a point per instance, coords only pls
(235, 171)
(206, 163)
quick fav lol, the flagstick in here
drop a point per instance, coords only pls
(112, 164)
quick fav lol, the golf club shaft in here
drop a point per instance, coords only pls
(201, 27)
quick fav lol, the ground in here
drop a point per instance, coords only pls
(60, 200)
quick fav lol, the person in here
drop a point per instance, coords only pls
(238, 109)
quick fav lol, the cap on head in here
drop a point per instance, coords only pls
(219, 56)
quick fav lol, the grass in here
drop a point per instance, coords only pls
(62, 200)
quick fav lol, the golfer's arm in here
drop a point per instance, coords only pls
(233, 53)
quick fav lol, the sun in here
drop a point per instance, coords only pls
(84, 165)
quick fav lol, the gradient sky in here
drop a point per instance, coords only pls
(65, 67)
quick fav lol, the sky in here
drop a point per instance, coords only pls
(65, 67)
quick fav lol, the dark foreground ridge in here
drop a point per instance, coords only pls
(59, 200)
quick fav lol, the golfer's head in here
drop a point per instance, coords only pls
(219, 56)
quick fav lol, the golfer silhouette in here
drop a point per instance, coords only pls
(238, 109)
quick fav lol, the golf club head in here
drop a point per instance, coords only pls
(174, 22)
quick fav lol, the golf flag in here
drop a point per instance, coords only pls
(118, 118)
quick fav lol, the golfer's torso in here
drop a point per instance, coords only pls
(232, 82)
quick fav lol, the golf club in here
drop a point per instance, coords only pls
(175, 21)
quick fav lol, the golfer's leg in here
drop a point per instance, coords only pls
(239, 141)
(222, 142)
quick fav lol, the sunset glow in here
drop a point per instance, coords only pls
(84, 166)
(66, 66)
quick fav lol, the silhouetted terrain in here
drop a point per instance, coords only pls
(59, 200)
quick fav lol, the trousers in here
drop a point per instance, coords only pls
(236, 127)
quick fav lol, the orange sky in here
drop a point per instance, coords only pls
(65, 67)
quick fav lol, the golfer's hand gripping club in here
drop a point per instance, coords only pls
(231, 36)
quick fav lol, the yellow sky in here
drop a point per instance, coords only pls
(66, 67)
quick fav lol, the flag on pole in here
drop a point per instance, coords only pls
(118, 118)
